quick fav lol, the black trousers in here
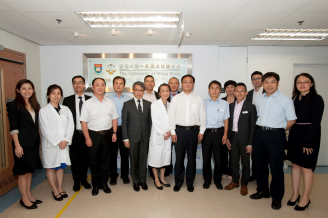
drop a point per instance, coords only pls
(124, 152)
(212, 144)
(237, 152)
(268, 146)
(225, 160)
(99, 157)
(187, 141)
(253, 164)
(138, 159)
(78, 153)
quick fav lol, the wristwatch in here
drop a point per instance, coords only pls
(114, 132)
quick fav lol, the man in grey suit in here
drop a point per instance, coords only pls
(136, 126)
(240, 137)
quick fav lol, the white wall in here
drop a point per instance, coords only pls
(32, 51)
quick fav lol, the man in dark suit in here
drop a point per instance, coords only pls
(240, 134)
(136, 126)
(78, 151)
(251, 97)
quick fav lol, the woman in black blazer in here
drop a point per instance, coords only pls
(23, 120)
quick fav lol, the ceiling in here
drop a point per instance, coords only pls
(211, 22)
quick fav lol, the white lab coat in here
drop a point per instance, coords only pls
(55, 128)
(159, 149)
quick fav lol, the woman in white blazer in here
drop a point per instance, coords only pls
(159, 154)
(57, 127)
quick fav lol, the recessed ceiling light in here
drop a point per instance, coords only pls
(292, 34)
(131, 19)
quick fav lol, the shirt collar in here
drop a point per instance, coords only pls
(275, 95)
(136, 100)
(115, 95)
(185, 93)
(76, 96)
(217, 100)
(260, 90)
(240, 103)
(153, 92)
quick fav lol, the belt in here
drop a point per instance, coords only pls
(101, 131)
(214, 130)
(303, 123)
(186, 127)
(234, 133)
(268, 128)
(79, 131)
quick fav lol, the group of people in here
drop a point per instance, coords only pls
(88, 131)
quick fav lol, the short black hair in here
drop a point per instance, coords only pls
(229, 82)
(98, 78)
(270, 74)
(193, 78)
(214, 82)
(241, 84)
(256, 73)
(118, 77)
(149, 76)
(78, 77)
(173, 78)
(164, 84)
(53, 87)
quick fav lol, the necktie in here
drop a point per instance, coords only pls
(173, 94)
(80, 104)
(139, 109)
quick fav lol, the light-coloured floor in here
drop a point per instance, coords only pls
(125, 202)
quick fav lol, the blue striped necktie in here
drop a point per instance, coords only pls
(139, 109)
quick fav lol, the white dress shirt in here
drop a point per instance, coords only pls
(187, 110)
(149, 97)
(257, 94)
(98, 115)
(77, 111)
(137, 103)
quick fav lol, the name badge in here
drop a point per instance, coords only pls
(220, 110)
(245, 112)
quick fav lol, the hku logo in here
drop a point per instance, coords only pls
(98, 69)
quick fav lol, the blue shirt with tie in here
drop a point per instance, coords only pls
(274, 111)
(119, 104)
(216, 112)
(171, 94)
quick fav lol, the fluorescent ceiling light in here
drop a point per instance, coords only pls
(292, 34)
(131, 19)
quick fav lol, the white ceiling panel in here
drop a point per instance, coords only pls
(274, 5)
(215, 5)
(67, 33)
(315, 6)
(50, 42)
(205, 19)
(318, 43)
(256, 20)
(322, 26)
(36, 5)
(226, 42)
(311, 20)
(95, 5)
(194, 42)
(159, 42)
(294, 43)
(236, 34)
(77, 41)
(4, 7)
(34, 33)
(202, 34)
(122, 42)
(48, 19)
(14, 19)
(155, 5)
(158, 34)
(121, 34)
(260, 43)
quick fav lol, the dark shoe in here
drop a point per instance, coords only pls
(206, 185)
(106, 189)
(144, 186)
(259, 195)
(190, 188)
(159, 188)
(231, 186)
(219, 185)
(176, 188)
(252, 178)
(33, 206)
(291, 203)
(58, 197)
(63, 194)
(298, 208)
(166, 185)
(243, 190)
(136, 187)
(276, 205)
(126, 180)
(95, 190)
(76, 186)
(37, 202)
(86, 185)
(113, 181)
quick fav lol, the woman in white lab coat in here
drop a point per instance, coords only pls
(57, 127)
(159, 154)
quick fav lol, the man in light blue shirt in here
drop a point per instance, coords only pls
(276, 114)
(119, 98)
(215, 136)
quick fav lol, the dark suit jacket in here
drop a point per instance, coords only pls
(249, 96)
(21, 119)
(246, 122)
(134, 127)
(157, 95)
(169, 99)
(71, 104)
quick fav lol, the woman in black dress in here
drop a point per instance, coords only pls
(23, 120)
(304, 138)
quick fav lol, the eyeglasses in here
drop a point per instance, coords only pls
(257, 78)
(138, 90)
(78, 83)
(303, 83)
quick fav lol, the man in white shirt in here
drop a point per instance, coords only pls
(187, 123)
(99, 125)
(150, 94)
